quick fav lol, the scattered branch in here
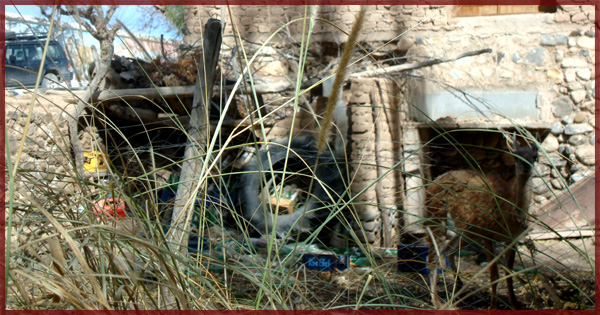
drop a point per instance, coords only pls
(412, 66)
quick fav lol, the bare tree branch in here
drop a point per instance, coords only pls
(99, 10)
(74, 12)
(161, 8)
(110, 12)
(417, 65)
(58, 25)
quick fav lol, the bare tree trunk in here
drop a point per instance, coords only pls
(105, 35)
(162, 47)
(192, 179)
(101, 71)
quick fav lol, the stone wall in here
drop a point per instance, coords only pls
(257, 23)
(45, 157)
(550, 53)
(45, 161)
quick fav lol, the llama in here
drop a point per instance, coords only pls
(483, 208)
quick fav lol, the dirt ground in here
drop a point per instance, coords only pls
(558, 279)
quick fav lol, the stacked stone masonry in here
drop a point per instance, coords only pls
(45, 159)
(374, 154)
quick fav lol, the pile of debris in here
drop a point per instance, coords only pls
(137, 73)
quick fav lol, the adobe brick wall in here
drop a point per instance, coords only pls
(375, 152)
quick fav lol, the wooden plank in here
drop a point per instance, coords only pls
(149, 93)
(564, 233)
(564, 214)
(483, 124)
(168, 92)
(518, 9)
(475, 10)
(486, 10)
(191, 179)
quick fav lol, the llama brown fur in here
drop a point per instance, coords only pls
(484, 208)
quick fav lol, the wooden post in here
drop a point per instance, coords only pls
(195, 152)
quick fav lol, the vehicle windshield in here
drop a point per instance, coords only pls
(54, 51)
(23, 52)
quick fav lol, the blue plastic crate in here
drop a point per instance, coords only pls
(412, 258)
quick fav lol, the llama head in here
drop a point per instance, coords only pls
(525, 155)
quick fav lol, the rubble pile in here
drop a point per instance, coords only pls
(136, 73)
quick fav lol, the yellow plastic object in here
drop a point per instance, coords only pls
(94, 161)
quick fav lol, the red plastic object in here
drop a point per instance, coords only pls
(106, 207)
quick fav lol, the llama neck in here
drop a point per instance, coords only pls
(522, 186)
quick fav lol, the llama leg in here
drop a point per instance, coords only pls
(510, 262)
(489, 253)
(433, 260)
(435, 299)
(451, 251)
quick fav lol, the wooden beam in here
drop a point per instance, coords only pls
(417, 65)
(188, 91)
(150, 118)
(132, 113)
(150, 93)
(571, 210)
(191, 180)
(273, 87)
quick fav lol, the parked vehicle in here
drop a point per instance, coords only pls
(24, 57)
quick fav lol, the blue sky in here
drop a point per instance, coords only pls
(133, 16)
